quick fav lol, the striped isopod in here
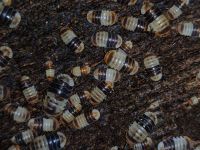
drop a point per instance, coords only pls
(6, 2)
(176, 143)
(107, 75)
(4, 92)
(85, 119)
(50, 70)
(146, 145)
(103, 17)
(120, 61)
(81, 70)
(157, 21)
(176, 10)
(142, 127)
(191, 102)
(128, 2)
(74, 106)
(23, 138)
(153, 67)
(57, 94)
(41, 124)
(9, 16)
(71, 40)
(106, 39)
(133, 24)
(5, 55)
(18, 113)
(29, 90)
(100, 93)
(188, 29)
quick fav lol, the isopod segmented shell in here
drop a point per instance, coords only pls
(120, 61)
(23, 138)
(106, 39)
(141, 127)
(50, 70)
(153, 67)
(188, 29)
(81, 70)
(146, 145)
(85, 119)
(103, 17)
(41, 124)
(18, 113)
(133, 24)
(9, 16)
(71, 40)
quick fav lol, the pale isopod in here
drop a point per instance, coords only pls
(81, 70)
(85, 119)
(9, 16)
(29, 90)
(157, 21)
(153, 67)
(71, 40)
(188, 29)
(103, 17)
(18, 113)
(50, 70)
(133, 24)
(106, 39)
(120, 61)
(146, 145)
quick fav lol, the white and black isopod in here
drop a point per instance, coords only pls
(29, 90)
(103, 17)
(188, 29)
(23, 138)
(141, 128)
(18, 113)
(9, 16)
(146, 145)
(153, 67)
(176, 143)
(133, 24)
(81, 70)
(120, 61)
(41, 124)
(85, 119)
(106, 39)
(71, 40)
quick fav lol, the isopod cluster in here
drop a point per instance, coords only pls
(58, 102)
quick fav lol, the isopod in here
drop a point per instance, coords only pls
(50, 70)
(5, 55)
(188, 29)
(81, 70)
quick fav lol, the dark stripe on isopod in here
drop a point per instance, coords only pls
(154, 70)
(112, 40)
(96, 17)
(74, 43)
(104, 88)
(53, 141)
(140, 26)
(88, 115)
(102, 74)
(195, 31)
(19, 139)
(72, 109)
(169, 144)
(7, 15)
(128, 65)
(38, 122)
(4, 60)
(152, 14)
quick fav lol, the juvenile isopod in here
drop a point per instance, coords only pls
(133, 24)
(106, 39)
(74, 106)
(188, 29)
(18, 113)
(103, 17)
(5, 55)
(81, 70)
(153, 67)
(29, 90)
(141, 128)
(157, 21)
(4, 92)
(120, 61)
(100, 93)
(41, 124)
(176, 10)
(71, 40)
(85, 119)
(23, 138)
(107, 75)
(9, 16)
(50, 70)
(176, 143)
(57, 94)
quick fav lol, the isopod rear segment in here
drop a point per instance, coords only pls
(188, 29)
(106, 39)
(103, 17)
(71, 40)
